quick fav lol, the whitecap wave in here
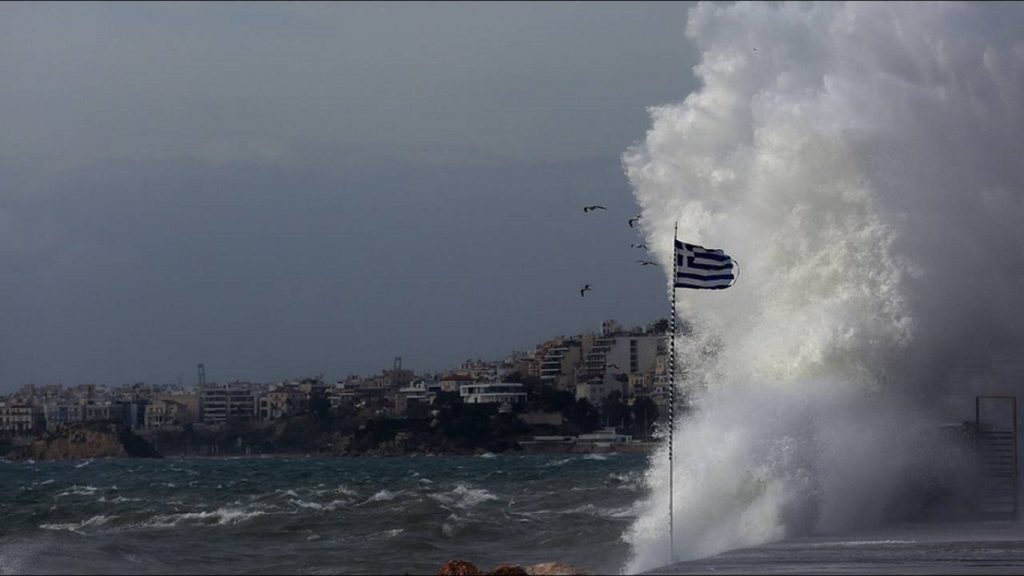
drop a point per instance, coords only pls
(219, 517)
(77, 490)
(93, 522)
(321, 506)
(463, 496)
(381, 496)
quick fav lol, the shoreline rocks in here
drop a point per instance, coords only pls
(464, 568)
(88, 440)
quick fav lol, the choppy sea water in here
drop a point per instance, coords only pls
(305, 515)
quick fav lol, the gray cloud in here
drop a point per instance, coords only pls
(284, 189)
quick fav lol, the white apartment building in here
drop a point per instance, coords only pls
(493, 393)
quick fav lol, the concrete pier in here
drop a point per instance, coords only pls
(990, 547)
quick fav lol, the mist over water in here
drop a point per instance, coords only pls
(862, 163)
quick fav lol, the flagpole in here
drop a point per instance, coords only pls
(672, 398)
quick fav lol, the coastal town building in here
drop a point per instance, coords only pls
(455, 382)
(166, 414)
(281, 401)
(560, 365)
(590, 366)
(219, 403)
(62, 413)
(20, 417)
(510, 393)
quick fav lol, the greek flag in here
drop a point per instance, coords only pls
(699, 267)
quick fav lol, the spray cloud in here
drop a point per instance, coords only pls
(863, 163)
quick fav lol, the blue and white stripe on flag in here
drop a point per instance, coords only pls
(699, 267)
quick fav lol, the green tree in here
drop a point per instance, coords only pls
(645, 412)
(614, 412)
(320, 405)
(581, 417)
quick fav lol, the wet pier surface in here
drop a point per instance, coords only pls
(991, 547)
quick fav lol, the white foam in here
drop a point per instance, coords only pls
(117, 500)
(464, 496)
(77, 490)
(381, 496)
(220, 517)
(560, 462)
(345, 490)
(322, 506)
(861, 162)
(93, 522)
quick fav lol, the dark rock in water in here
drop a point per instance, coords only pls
(458, 568)
(509, 570)
(90, 440)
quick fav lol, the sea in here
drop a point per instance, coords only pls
(315, 515)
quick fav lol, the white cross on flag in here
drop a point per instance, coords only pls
(703, 268)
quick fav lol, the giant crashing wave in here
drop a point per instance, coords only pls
(862, 162)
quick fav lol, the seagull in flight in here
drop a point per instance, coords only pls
(585, 288)
(616, 366)
(647, 263)
(592, 208)
(634, 220)
(640, 245)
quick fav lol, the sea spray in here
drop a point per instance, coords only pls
(861, 162)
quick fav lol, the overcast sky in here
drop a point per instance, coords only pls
(279, 190)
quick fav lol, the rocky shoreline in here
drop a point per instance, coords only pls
(86, 440)
(464, 568)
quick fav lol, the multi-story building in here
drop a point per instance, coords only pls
(163, 414)
(641, 384)
(455, 382)
(624, 354)
(104, 410)
(21, 418)
(419, 392)
(345, 392)
(282, 401)
(596, 361)
(220, 403)
(661, 394)
(510, 393)
(526, 364)
(561, 359)
(62, 413)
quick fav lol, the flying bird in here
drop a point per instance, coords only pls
(616, 366)
(647, 263)
(634, 220)
(592, 208)
(585, 288)
(640, 245)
